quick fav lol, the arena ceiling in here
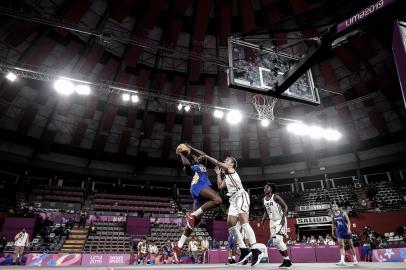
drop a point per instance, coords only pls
(178, 48)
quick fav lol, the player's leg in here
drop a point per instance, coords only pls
(277, 233)
(210, 198)
(341, 243)
(352, 249)
(186, 233)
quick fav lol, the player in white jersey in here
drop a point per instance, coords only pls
(276, 211)
(239, 208)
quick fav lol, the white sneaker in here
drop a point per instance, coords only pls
(355, 262)
(340, 263)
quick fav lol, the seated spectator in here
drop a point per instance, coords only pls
(313, 240)
(3, 243)
(142, 251)
(168, 254)
(215, 244)
(152, 253)
(363, 203)
(193, 248)
(205, 247)
(321, 241)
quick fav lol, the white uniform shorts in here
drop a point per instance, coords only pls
(239, 203)
(277, 229)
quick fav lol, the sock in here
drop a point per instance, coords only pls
(229, 258)
(249, 232)
(233, 257)
(342, 258)
(286, 258)
(238, 236)
(354, 258)
(198, 212)
(182, 241)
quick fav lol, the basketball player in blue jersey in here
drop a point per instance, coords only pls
(204, 197)
(341, 229)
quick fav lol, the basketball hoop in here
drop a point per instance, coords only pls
(264, 106)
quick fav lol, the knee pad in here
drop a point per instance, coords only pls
(279, 244)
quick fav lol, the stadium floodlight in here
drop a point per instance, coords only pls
(83, 89)
(218, 114)
(297, 128)
(64, 87)
(315, 132)
(265, 122)
(135, 99)
(11, 77)
(125, 97)
(331, 135)
(187, 108)
(180, 106)
(234, 117)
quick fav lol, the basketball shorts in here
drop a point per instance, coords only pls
(239, 203)
(277, 229)
(343, 235)
(195, 190)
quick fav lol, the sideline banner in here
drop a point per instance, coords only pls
(389, 255)
(53, 259)
(312, 220)
(106, 259)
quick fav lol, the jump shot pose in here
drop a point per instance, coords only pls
(276, 210)
(239, 208)
(204, 197)
(341, 229)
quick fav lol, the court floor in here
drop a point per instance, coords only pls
(265, 266)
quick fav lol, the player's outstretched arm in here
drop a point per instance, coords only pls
(218, 163)
(200, 152)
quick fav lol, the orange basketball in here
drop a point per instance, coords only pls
(183, 148)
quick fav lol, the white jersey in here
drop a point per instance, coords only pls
(273, 209)
(21, 239)
(233, 183)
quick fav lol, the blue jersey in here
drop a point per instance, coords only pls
(200, 180)
(340, 222)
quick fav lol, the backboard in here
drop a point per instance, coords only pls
(255, 68)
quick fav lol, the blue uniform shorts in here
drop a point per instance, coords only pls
(342, 234)
(196, 189)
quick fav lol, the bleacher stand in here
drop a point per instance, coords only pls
(132, 203)
(108, 237)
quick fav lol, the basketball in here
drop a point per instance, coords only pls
(183, 148)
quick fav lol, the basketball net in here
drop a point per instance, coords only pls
(264, 106)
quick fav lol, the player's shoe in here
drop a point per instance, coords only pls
(191, 221)
(231, 261)
(245, 254)
(176, 251)
(287, 264)
(256, 257)
(355, 263)
(340, 263)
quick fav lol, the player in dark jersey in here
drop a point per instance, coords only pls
(204, 197)
(341, 229)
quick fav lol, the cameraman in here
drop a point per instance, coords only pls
(369, 237)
